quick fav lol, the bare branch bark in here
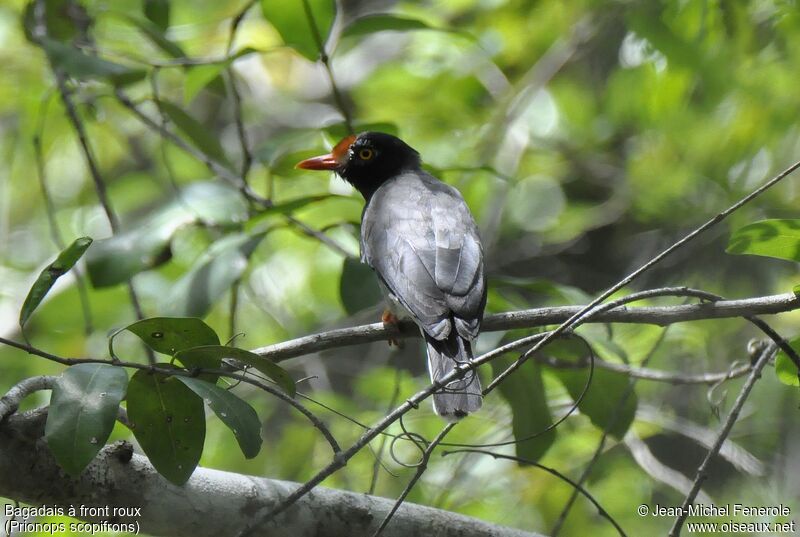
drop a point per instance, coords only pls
(211, 503)
(532, 318)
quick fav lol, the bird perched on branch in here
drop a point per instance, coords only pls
(419, 236)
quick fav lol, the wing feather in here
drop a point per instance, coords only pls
(421, 239)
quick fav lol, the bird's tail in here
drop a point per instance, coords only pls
(461, 396)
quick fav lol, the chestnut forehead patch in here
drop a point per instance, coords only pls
(339, 151)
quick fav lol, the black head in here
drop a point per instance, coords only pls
(367, 161)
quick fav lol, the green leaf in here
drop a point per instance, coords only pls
(58, 26)
(157, 12)
(358, 286)
(292, 19)
(785, 368)
(212, 275)
(155, 34)
(601, 403)
(769, 238)
(83, 407)
(200, 76)
(207, 354)
(201, 137)
(284, 208)
(52, 272)
(239, 416)
(169, 335)
(168, 421)
(201, 358)
(524, 392)
(145, 244)
(82, 66)
(383, 22)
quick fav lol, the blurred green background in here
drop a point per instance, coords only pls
(586, 136)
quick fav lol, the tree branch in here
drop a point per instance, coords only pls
(538, 317)
(211, 503)
(702, 470)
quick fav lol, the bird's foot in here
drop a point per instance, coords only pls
(392, 323)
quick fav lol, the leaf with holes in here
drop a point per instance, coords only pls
(204, 355)
(236, 414)
(303, 25)
(524, 392)
(83, 406)
(169, 335)
(769, 238)
(52, 272)
(168, 420)
(212, 275)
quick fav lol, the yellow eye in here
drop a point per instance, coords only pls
(366, 154)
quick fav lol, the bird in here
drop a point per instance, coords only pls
(420, 238)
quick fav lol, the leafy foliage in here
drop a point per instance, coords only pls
(168, 421)
(52, 272)
(584, 136)
(83, 407)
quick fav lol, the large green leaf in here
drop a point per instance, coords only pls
(601, 402)
(239, 416)
(200, 135)
(784, 367)
(155, 34)
(157, 12)
(770, 238)
(524, 392)
(208, 355)
(383, 22)
(52, 272)
(168, 421)
(358, 286)
(80, 65)
(169, 335)
(212, 275)
(293, 20)
(83, 406)
(145, 244)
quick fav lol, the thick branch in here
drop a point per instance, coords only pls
(657, 315)
(211, 503)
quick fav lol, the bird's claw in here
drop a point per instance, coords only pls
(392, 323)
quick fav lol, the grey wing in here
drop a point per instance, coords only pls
(424, 245)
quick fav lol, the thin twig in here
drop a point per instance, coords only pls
(50, 210)
(316, 422)
(247, 155)
(40, 32)
(326, 62)
(629, 390)
(377, 464)
(224, 172)
(9, 403)
(421, 467)
(538, 317)
(655, 375)
(702, 470)
(602, 512)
